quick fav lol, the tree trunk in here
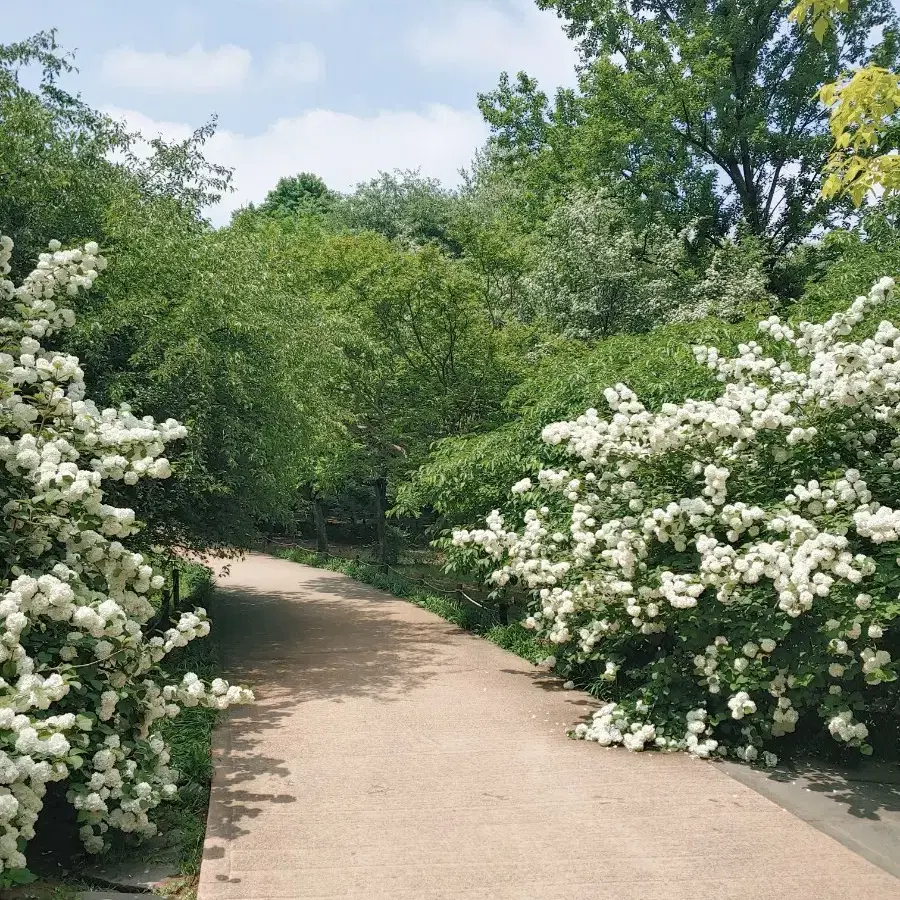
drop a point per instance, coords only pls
(381, 521)
(319, 519)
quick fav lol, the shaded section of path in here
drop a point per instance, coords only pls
(391, 755)
(860, 808)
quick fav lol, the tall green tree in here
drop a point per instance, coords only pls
(305, 194)
(214, 328)
(419, 357)
(489, 226)
(403, 206)
(56, 177)
(218, 327)
(702, 109)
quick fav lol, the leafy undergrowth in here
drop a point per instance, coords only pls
(190, 735)
(483, 622)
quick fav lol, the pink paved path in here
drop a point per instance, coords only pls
(392, 757)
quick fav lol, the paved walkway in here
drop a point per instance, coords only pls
(392, 757)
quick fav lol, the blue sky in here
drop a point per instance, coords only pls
(344, 88)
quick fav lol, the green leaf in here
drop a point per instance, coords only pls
(820, 28)
(19, 877)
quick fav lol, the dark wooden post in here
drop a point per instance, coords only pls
(319, 520)
(381, 521)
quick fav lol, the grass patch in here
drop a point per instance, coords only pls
(44, 890)
(517, 640)
(483, 622)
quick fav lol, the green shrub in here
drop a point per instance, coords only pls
(724, 570)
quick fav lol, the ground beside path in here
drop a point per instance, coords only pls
(390, 756)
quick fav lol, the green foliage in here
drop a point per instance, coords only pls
(468, 475)
(596, 274)
(13, 878)
(405, 207)
(211, 327)
(189, 736)
(404, 344)
(178, 170)
(422, 358)
(299, 196)
(847, 262)
(598, 271)
(698, 111)
(863, 114)
(417, 358)
(517, 640)
(736, 284)
(489, 223)
(56, 180)
(673, 557)
(216, 329)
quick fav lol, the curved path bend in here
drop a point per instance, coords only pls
(390, 756)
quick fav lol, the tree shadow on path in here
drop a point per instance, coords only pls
(868, 793)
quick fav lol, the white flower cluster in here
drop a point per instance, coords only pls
(80, 692)
(611, 725)
(724, 542)
(845, 729)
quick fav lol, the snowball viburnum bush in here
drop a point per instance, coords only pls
(732, 564)
(81, 692)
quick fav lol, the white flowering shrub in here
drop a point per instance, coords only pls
(81, 692)
(728, 568)
(734, 285)
(597, 273)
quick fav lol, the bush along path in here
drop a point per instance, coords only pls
(856, 803)
(389, 754)
(84, 697)
(728, 565)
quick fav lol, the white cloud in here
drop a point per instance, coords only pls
(194, 71)
(487, 37)
(343, 149)
(301, 63)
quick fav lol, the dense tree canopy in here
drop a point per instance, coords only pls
(702, 110)
(186, 322)
(346, 349)
(419, 358)
(301, 195)
(49, 138)
(349, 349)
(405, 207)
